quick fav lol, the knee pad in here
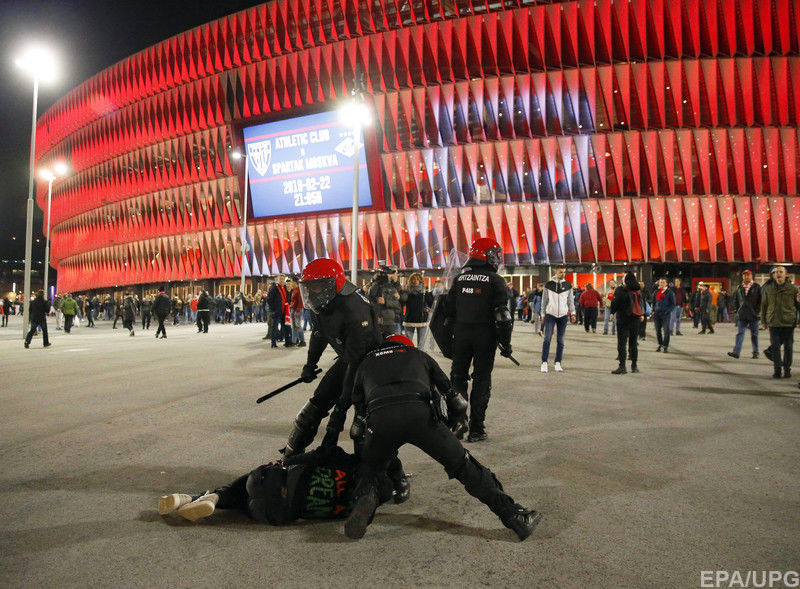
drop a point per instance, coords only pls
(459, 384)
(305, 426)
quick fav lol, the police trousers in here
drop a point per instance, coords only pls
(392, 426)
(474, 344)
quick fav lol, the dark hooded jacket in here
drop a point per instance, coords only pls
(622, 304)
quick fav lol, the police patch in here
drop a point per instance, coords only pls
(364, 323)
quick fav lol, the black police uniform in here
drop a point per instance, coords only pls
(397, 394)
(478, 305)
(348, 324)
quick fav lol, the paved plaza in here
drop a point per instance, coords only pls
(645, 480)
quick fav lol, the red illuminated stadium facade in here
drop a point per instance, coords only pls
(611, 132)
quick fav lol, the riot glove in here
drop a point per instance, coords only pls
(331, 439)
(335, 426)
(457, 414)
(456, 405)
(309, 373)
(506, 350)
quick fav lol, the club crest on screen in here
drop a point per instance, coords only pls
(260, 154)
(347, 147)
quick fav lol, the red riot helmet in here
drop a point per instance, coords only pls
(400, 339)
(320, 281)
(488, 250)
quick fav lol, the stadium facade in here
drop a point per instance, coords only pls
(596, 131)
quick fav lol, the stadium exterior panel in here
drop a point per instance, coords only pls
(596, 131)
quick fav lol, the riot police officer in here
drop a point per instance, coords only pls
(477, 306)
(344, 319)
(397, 397)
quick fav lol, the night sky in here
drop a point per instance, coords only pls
(89, 36)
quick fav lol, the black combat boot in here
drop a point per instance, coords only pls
(400, 483)
(520, 520)
(363, 510)
(402, 489)
(620, 370)
(477, 435)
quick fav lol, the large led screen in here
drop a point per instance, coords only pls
(304, 165)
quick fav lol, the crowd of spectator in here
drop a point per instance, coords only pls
(403, 305)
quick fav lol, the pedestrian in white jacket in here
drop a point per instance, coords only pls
(558, 305)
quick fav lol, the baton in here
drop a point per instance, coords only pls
(283, 388)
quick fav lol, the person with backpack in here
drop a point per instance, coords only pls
(628, 308)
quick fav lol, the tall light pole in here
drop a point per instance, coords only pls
(357, 114)
(40, 65)
(237, 155)
(60, 169)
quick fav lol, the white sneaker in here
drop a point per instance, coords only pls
(200, 507)
(169, 503)
(558, 367)
(544, 366)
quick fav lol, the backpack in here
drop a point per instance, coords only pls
(636, 304)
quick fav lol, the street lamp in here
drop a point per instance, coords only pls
(60, 169)
(38, 63)
(357, 114)
(236, 156)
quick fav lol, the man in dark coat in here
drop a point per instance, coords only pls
(695, 301)
(385, 296)
(161, 308)
(129, 312)
(203, 312)
(705, 309)
(628, 308)
(278, 303)
(680, 302)
(38, 316)
(663, 305)
(147, 311)
(118, 312)
(747, 306)
(6, 310)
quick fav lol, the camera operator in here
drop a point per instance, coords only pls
(384, 294)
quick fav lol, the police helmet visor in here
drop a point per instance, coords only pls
(317, 294)
(494, 256)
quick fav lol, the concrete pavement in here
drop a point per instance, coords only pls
(645, 479)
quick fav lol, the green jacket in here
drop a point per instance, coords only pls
(779, 305)
(69, 306)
